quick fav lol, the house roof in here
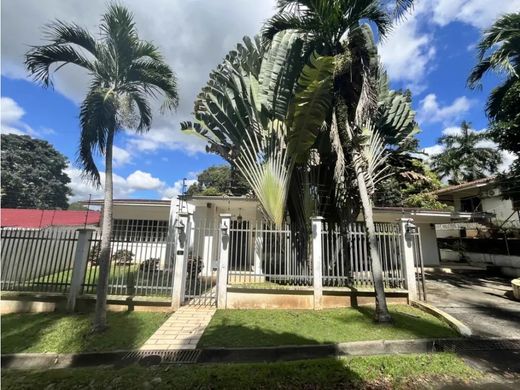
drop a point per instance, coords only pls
(130, 202)
(34, 219)
(465, 186)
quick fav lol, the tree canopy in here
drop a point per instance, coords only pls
(466, 157)
(219, 180)
(33, 174)
(499, 52)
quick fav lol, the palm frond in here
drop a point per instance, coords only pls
(39, 60)
(311, 106)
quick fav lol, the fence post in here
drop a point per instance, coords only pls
(407, 229)
(79, 266)
(225, 224)
(317, 226)
(182, 240)
(259, 247)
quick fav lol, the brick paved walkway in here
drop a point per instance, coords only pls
(182, 330)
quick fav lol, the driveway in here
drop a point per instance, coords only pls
(483, 302)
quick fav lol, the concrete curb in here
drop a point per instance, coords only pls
(454, 323)
(28, 361)
(301, 352)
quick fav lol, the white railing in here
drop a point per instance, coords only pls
(346, 261)
(267, 256)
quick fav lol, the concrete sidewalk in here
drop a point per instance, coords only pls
(182, 330)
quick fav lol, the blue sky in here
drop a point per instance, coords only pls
(430, 52)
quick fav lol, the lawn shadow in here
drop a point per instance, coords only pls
(72, 333)
(248, 336)
(18, 336)
(419, 326)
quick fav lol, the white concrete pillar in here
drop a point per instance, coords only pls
(259, 247)
(317, 226)
(408, 256)
(225, 224)
(79, 267)
(182, 242)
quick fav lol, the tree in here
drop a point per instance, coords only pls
(277, 112)
(33, 174)
(464, 157)
(335, 29)
(125, 71)
(499, 52)
(411, 189)
(219, 180)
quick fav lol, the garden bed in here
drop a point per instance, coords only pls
(248, 328)
(64, 333)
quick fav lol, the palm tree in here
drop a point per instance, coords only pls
(465, 157)
(335, 28)
(499, 51)
(125, 71)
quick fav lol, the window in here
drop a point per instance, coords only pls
(139, 230)
(471, 205)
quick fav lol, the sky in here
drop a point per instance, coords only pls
(431, 52)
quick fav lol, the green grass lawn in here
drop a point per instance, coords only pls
(381, 372)
(63, 333)
(118, 273)
(243, 328)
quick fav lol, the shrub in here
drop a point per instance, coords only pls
(150, 265)
(123, 256)
(93, 254)
(194, 266)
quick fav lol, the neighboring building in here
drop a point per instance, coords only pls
(41, 219)
(483, 199)
(150, 221)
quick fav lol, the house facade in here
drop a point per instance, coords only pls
(483, 199)
(150, 220)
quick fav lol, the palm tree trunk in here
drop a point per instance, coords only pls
(381, 312)
(100, 319)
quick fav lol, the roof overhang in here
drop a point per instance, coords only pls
(223, 201)
(130, 202)
(392, 214)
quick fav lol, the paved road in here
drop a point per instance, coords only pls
(484, 303)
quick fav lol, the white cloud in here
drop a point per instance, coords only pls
(120, 156)
(168, 138)
(433, 150)
(478, 13)
(176, 189)
(143, 181)
(202, 34)
(123, 187)
(11, 115)
(430, 111)
(407, 52)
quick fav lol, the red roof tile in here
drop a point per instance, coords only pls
(29, 218)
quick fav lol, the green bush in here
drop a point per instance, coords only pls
(123, 256)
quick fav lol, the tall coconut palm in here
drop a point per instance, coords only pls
(125, 72)
(499, 52)
(335, 28)
(466, 156)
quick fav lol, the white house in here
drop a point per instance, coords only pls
(483, 199)
(150, 220)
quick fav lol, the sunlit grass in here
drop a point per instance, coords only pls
(63, 333)
(243, 328)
